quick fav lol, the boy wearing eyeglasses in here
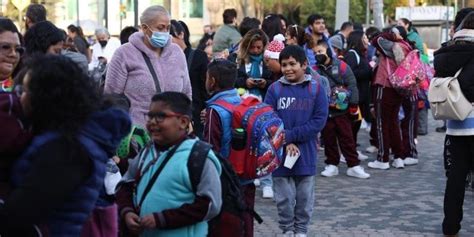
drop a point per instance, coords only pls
(156, 197)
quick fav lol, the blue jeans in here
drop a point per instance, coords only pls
(266, 181)
(294, 196)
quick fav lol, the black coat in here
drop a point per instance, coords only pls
(197, 75)
(363, 74)
(449, 59)
(242, 77)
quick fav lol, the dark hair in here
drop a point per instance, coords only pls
(247, 41)
(461, 15)
(229, 15)
(371, 32)
(283, 18)
(176, 101)
(247, 24)
(36, 13)
(293, 51)
(407, 22)
(115, 101)
(271, 25)
(203, 41)
(176, 29)
(7, 25)
(346, 25)
(186, 33)
(358, 26)
(404, 34)
(224, 72)
(126, 33)
(468, 22)
(42, 35)
(325, 44)
(354, 41)
(79, 32)
(296, 31)
(312, 18)
(62, 97)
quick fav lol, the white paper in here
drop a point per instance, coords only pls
(291, 160)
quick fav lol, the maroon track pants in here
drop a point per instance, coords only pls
(338, 134)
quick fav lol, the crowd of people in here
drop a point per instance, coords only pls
(136, 137)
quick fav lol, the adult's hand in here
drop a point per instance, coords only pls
(148, 222)
(132, 221)
(250, 83)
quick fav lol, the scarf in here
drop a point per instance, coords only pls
(255, 62)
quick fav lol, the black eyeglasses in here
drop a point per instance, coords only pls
(6, 48)
(160, 116)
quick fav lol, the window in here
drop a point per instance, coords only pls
(191, 8)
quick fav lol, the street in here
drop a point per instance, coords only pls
(396, 202)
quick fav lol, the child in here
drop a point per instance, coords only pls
(302, 105)
(337, 134)
(167, 205)
(221, 76)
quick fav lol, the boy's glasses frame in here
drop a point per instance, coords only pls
(160, 116)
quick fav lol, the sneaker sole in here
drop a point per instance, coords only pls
(359, 177)
(379, 168)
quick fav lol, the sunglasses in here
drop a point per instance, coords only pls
(160, 116)
(6, 48)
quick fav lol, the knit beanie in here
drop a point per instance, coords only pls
(275, 47)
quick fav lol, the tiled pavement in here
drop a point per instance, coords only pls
(397, 202)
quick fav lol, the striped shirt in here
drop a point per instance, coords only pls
(461, 128)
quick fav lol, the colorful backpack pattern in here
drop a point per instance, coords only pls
(263, 129)
(410, 71)
(137, 139)
(339, 98)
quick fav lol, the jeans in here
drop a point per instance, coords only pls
(294, 196)
(266, 181)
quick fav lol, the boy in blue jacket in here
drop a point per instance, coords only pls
(302, 104)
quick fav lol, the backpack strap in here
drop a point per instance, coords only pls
(196, 161)
(357, 56)
(153, 73)
(224, 104)
(314, 87)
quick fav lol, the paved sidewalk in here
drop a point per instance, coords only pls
(396, 202)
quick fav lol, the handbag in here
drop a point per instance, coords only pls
(447, 100)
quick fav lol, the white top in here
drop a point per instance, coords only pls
(107, 52)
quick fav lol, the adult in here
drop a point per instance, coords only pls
(104, 49)
(247, 24)
(129, 73)
(44, 37)
(14, 138)
(346, 28)
(58, 178)
(80, 42)
(227, 35)
(197, 66)
(34, 13)
(126, 33)
(457, 55)
(315, 30)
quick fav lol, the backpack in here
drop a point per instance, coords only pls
(233, 205)
(136, 140)
(257, 138)
(408, 73)
(339, 96)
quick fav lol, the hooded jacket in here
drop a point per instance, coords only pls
(128, 73)
(58, 180)
(303, 107)
(459, 54)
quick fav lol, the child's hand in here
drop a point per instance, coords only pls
(292, 150)
(148, 222)
(116, 159)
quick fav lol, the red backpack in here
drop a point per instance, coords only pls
(257, 138)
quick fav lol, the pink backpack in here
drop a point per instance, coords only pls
(408, 73)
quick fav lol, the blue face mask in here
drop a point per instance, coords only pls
(159, 39)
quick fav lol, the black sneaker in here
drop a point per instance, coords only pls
(441, 129)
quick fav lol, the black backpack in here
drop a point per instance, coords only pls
(232, 200)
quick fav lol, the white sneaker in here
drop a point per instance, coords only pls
(398, 163)
(330, 170)
(371, 149)
(358, 172)
(342, 159)
(300, 235)
(410, 161)
(289, 234)
(267, 192)
(379, 165)
(362, 156)
(256, 182)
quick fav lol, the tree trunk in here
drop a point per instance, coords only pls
(378, 13)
